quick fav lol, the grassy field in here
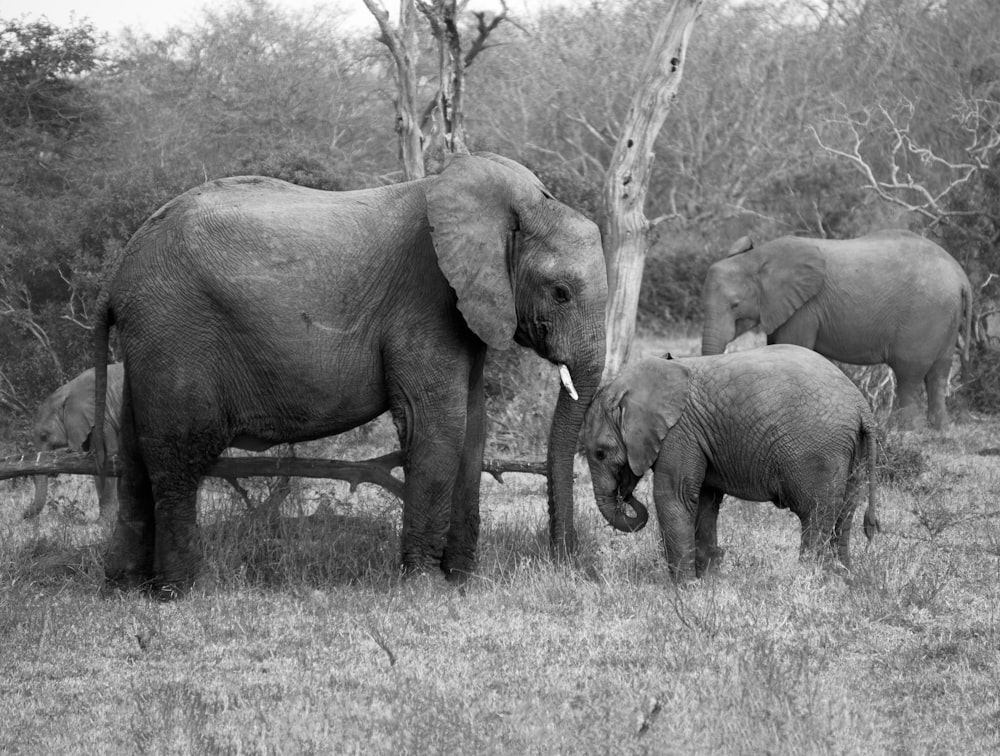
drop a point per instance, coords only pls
(301, 638)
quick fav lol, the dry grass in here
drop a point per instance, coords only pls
(301, 638)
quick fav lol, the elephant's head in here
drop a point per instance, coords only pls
(757, 286)
(527, 268)
(64, 420)
(624, 431)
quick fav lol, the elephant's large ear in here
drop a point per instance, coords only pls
(651, 404)
(78, 411)
(741, 245)
(792, 273)
(473, 209)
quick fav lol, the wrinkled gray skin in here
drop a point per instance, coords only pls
(65, 420)
(889, 297)
(778, 423)
(252, 312)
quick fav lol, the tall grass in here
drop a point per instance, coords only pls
(301, 637)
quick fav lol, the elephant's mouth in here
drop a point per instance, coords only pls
(626, 521)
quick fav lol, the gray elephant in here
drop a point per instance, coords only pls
(65, 420)
(253, 312)
(889, 297)
(779, 423)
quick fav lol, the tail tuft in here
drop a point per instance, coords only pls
(872, 524)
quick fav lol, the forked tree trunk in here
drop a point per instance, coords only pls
(404, 48)
(626, 229)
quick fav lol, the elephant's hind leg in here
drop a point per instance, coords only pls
(820, 508)
(936, 384)
(905, 410)
(708, 555)
(177, 555)
(128, 561)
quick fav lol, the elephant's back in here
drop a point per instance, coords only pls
(794, 373)
(897, 254)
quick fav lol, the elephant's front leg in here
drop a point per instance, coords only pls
(432, 434)
(463, 534)
(676, 507)
(708, 554)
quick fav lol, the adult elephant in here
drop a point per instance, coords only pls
(253, 312)
(65, 420)
(889, 297)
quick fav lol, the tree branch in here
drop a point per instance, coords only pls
(982, 146)
(377, 470)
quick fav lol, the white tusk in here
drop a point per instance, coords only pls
(567, 382)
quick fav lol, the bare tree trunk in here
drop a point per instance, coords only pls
(626, 229)
(447, 129)
(403, 46)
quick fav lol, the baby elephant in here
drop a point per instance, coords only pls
(778, 423)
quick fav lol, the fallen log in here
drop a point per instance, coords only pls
(377, 470)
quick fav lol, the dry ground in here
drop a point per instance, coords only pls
(301, 638)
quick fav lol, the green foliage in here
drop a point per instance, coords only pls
(981, 388)
(92, 143)
(582, 193)
(672, 281)
(900, 459)
(295, 167)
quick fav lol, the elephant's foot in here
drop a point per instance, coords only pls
(456, 573)
(709, 559)
(128, 562)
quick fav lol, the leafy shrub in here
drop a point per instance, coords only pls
(570, 188)
(898, 460)
(981, 388)
(521, 391)
(671, 283)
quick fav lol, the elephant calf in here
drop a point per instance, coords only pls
(65, 420)
(779, 424)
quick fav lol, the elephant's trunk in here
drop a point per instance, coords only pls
(618, 517)
(718, 330)
(41, 496)
(563, 440)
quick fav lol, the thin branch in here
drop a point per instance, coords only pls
(377, 470)
(916, 195)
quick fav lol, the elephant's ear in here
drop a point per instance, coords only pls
(792, 273)
(651, 404)
(78, 415)
(741, 245)
(473, 208)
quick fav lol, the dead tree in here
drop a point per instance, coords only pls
(626, 229)
(440, 128)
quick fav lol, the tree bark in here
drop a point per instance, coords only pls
(376, 470)
(626, 230)
(404, 49)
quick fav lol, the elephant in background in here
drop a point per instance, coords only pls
(889, 297)
(253, 312)
(779, 423)
(65, 420)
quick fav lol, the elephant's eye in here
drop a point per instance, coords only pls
(600, 455)
(561, 294)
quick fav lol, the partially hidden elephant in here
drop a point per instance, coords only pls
(779, 423)
(65, 420)
(253, 312)
(889, 297)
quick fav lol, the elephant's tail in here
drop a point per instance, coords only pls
(872, 523)
(966, 329)
(103, 320)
